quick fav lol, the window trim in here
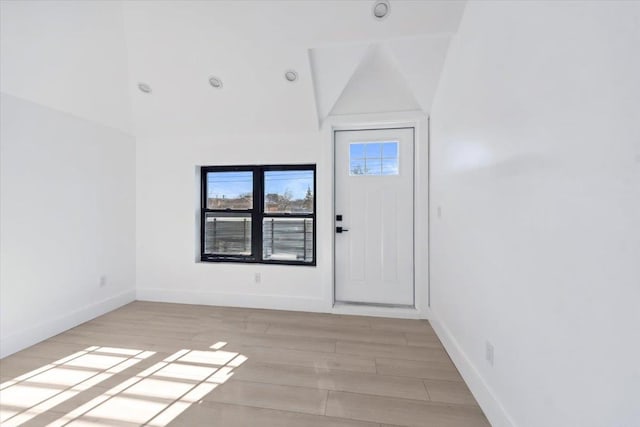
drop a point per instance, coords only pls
(257, 213)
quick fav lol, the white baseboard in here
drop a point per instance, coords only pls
(47, 328)
(273, 302)
(493, 409)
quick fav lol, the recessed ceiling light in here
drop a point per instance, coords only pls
(381, 9)
(145, 88)
(291, 76)
(215, 82)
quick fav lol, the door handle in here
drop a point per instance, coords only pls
(341, 229)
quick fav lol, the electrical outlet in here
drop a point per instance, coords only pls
(257, 278)
(489, 353)
(103, 281)
(439, 211)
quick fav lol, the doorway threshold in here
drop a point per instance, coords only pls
(376, 309)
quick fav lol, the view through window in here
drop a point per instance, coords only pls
(373, 158)
(258, 214)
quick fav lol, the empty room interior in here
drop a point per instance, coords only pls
(346, 213)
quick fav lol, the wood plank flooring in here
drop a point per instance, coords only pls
(162, 364)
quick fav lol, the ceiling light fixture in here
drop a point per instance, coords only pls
(381, 9)
(144, 88)
(291, 76)
(215, 82)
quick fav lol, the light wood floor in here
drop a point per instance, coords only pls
(185, 365)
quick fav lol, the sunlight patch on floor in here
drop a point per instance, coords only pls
(42, 389)
(154, 396)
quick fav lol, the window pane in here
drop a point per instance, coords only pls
(287, 239)
(390, 167)
(374, 167)
(373, 149)
(380, 158)
(356, 167)
(230, 190)
(289, 191)
(227, 233)
(390, 150)
(356, 151)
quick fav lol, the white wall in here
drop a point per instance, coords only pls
(168, 229)
(536, 172)
(68, 70)
(67, 217)
(256, 118)
(67, 168)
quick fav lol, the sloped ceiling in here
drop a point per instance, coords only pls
(376, 86)
(87, 57)
(420, 61)
(70, 56)
(395, 75)
(176, 46)
(332, 69)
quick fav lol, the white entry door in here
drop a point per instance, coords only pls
(374, 216)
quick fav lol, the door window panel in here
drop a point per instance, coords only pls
(373, 158)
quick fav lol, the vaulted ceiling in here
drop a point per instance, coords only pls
(347, 61)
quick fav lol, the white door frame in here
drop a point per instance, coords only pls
(418, 121)
(375, 135)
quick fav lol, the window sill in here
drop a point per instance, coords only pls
(253, 261)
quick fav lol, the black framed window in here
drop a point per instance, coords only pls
(259, 214)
